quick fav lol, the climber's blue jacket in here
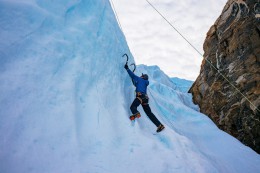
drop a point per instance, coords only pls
(140, 83)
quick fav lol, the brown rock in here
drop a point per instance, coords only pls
(228, 87)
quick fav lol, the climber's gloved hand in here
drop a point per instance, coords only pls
(126, 66)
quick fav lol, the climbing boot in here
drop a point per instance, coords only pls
(132, 117)
(160, 128)
(137, 115)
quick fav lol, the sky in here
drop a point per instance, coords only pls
(153, 41)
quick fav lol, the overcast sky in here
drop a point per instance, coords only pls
(153, 41)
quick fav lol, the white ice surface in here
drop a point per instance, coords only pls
(65, 100)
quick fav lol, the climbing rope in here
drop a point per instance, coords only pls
(202, 55)
(117, 18)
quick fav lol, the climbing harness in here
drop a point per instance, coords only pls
(202, 55)
(144, 99)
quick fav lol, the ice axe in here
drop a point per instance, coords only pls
(126, 58)
(130, 65)
(127, 62)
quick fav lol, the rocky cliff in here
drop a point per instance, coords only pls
(228, 87)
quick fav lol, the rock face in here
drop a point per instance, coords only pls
(228, 87)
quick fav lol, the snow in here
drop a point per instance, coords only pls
(65, 100)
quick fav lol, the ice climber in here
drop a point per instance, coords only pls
(141, 84)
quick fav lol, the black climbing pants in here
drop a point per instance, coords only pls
(146, 108)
